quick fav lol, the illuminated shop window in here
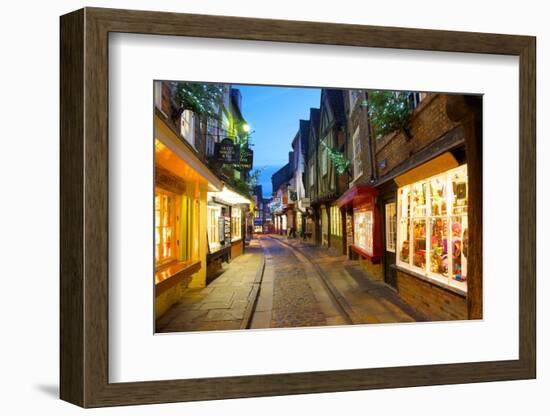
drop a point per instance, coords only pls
(214, 214)
(363, 224)
(432, 227)
(235, 224)
(165, 227)
(335, 221)
(391, 226)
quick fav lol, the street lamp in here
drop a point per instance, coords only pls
(246, 127)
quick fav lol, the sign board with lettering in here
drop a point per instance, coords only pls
(226, 151)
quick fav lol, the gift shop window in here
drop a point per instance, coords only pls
(166, 218)
(235, 224)
(363, 224)
(432, 227)
(335, 221)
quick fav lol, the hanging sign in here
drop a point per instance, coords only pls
(226, 151)
(247, 156)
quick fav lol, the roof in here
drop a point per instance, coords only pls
(281, 176)
(335, 99)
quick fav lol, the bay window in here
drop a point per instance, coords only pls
(432, 227)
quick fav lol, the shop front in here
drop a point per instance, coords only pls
(225, 224)
(432, 242)
(364, 239)
(180, 200)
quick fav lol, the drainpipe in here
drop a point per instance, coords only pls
(373, 175)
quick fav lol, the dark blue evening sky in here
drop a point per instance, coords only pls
(273, 113)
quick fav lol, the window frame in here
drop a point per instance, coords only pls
(174, 221)
(236, 224)
(427, 217)
(391, 226)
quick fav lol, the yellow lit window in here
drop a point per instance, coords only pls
(235, 224)
(214, 214)
(335, 221)
(165, 227)
(432, 227)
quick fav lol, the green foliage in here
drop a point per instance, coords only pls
(247, 187)
(388, 111)
(202, 99)
(340, 162)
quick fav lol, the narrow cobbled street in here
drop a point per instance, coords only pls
(282, 283)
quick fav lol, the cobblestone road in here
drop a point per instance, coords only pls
(292, 294)
(301, 286)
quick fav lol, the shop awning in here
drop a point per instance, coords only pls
(229, 197)
(173, 154)
(437, 165)
(358, 193)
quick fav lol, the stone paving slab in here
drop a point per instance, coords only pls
(222, 305)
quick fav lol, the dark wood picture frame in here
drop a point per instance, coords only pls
(84, 207)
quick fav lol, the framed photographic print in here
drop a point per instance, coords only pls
(356, 203)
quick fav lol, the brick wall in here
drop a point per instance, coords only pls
(429, 122)
(375, 270)
(432, 301)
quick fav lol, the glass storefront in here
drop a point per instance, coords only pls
(363, 226)
(432, 227)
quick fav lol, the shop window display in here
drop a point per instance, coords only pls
(363, 223)
(432, 238)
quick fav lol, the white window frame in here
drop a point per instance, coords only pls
(391, 226)
(187, 127)
(236, 223)
(214, 214)
(427, 217)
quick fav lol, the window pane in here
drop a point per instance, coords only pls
(438, 195)
(404, 201)
(438, 246)
(459, 248)
(404, 229)
(419, 243)
(418, 199)
(459, 182)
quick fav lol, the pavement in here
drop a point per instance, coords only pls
(224, 304)
(282, 283)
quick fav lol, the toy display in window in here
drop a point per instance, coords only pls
(458, 259)
(419, 199)
(438, 244)
(439, 197)
(419, 238)
(404, 230)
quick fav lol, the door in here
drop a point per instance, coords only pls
(389, 240)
